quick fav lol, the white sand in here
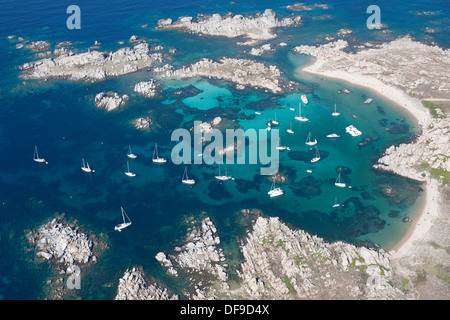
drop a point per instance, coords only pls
(422, 223)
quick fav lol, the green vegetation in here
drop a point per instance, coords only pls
(440, 271)
(289, 285)
(425, 165)
(433, 109)
(267, 241)
(440, 173)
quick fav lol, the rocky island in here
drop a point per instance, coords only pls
(148, 89)
(92, 65)
(243, 72)
(259, 27)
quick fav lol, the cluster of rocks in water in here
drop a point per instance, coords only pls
(133, 286)
(110, 100)
(148, 89)
(64, 243)
(200, 258)
(258, 27)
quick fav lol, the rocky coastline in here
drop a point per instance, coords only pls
(282, 263)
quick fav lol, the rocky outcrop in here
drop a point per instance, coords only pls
(133, 286)
(258, 27)
(240, 71)
(92, 65)
(63, 243)
(147, 88)
(418, 160)
(261, 50)
(110, 100)
(200, 258)
(142, 123)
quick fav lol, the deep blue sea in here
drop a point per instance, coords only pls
(61, 118)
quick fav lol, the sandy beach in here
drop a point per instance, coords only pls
(430, 208)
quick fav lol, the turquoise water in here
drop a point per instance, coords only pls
(61, 118)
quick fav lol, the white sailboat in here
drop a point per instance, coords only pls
(186, 179)
(282, 148)
(130, 154)
(275, 122)
(335, 113)
(310, 142)
(36, 156)
(338, 182)
(299, 117)
(275, 192)
(86, 167)
(304, 99)
(317, 157)
(223, 177)
(290, 129)
(336, 204)
(128, 173)
(333, 135)
(156, 158)
(125, 223)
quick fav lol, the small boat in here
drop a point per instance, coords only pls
(275, 122)
(304, 99)
(130, 154)
(128, 173)
(317, 157)
(156, 158)
(309, 171)
(257, 112)
(275, 192)
(185, 178)
(290, 129)
(36, 156)
(368, 101)
(86, 167)
(338, 182)
(336, 204)
(282, 148)
(309, 142)
(333, 135)
(223, 177)
(335, 113)
(299, 117)
(125, 223)
(292, 109)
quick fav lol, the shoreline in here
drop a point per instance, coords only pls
(430, 207)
